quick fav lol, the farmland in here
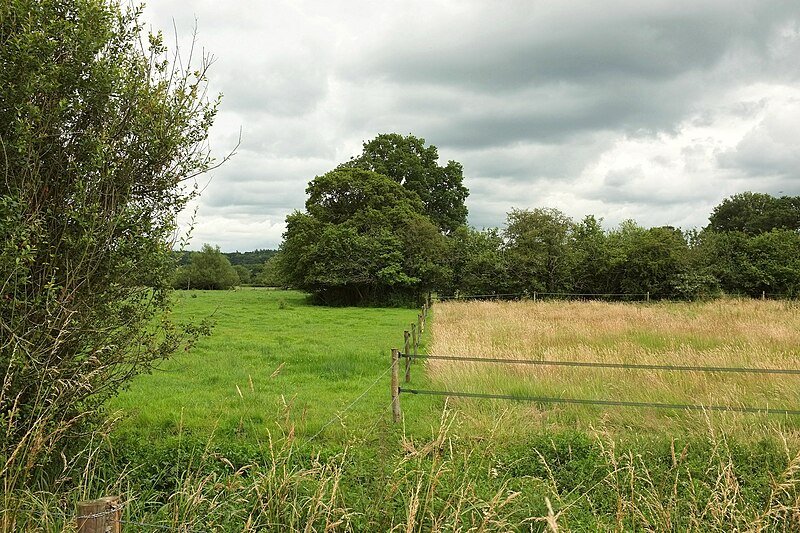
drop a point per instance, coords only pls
(235, 434)
(723, 333)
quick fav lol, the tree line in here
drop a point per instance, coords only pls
(389, 227)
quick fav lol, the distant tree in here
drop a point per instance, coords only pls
(594, 259)
(208, 270)
(407, 161)
(243, 273)
(270, 274)
(650, 260)
(754, 213)
(253, 261)
(752, 264)
(363, 239)
(98, 132)
(538, 251)
(476, 261)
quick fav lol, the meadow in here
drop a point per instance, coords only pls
(280, 420)
(273, 361)
(722, 333)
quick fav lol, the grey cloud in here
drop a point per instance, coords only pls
(529, 96)
(513, 44)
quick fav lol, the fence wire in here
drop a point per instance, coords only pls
(589, 364)
(615, 403)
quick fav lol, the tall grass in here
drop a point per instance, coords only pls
(739, 333)
(449, 481)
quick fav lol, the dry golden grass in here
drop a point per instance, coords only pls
(731, 332)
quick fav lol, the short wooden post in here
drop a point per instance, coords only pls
(420, 324)
(648, 296)
(395, 386)
(406, 336)
(534, 296)
(99, 516)
(763, 295)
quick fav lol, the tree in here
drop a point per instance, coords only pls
(363, 239)
(477, 263)
(538, 250)
(243, 274)
(654, 258)
(270, 275)
(98, 135)
(208, 270)
(752, 264)
(754, 213)
(594, 259)
(407, 161)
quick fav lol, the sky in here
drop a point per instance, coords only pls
(647, 110)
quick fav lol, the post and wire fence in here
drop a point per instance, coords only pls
(411, 353)
(536, 296)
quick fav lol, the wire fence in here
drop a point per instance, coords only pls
(599, 402)
(536, 295)
(589, 364)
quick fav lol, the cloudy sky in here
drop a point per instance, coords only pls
(651, 110)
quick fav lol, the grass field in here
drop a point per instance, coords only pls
(221, 438)
(725, 333)
(273, 362)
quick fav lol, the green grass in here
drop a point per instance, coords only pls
(218, 439)
(273, 361)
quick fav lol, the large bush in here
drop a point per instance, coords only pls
(98, 136)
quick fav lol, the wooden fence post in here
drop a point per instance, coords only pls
(534, 296)
(395, 386)
(420, 324)
(406, 336)
(648, 296)
(99, 516)
(414, 338)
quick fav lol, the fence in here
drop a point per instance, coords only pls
(411, 355)
(535, 295)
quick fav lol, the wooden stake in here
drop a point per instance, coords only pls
(406, 336)
(99, 516)
(534, 296)
(395, 387)
(421, 324)
(648, 296)
(414, 338)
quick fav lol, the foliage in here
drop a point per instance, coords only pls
(98, 134)
(751, 265)
(477, 263)
(270, 273)
(538, 250)
(209, 269)
(363, 239)
(242, 274)
(649, 260)
(753, 213)
(407, 161)
(253, 261)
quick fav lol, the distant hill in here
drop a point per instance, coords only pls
(252, 261)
